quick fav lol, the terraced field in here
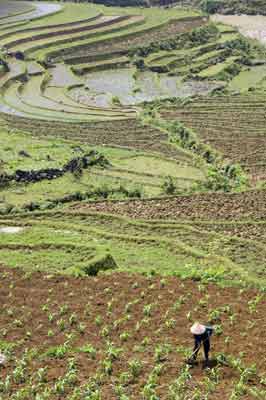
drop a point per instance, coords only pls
(132, 203)
(234, 125)
(79, 105)
(102, 39)
(24, 12)
(34, 36)
(169, 236)
(196, 57)
(12, 8)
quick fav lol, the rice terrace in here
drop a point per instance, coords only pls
(133, 200)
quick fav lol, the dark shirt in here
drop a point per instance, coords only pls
(204, 336)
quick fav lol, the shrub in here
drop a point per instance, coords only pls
(211, 6)
(100, 263)
(169, 186)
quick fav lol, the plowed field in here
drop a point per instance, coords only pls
(234, 125)
(247, 205)
(128, 335)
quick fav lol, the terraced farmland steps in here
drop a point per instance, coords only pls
(235, 125)
(41, 9)
(241, 253)
(23, 94)
(24, 31)
(106, 24)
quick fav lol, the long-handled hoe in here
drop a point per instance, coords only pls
(191, 360)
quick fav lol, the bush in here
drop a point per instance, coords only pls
(169, 186)
(100, 263)
(211, 6)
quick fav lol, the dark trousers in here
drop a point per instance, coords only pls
(206, 345)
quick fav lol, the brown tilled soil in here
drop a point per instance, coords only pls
(233, 125)
(205, 206)
(30, 299)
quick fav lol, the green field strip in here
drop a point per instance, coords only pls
(210, 55)
(142, 179)
(225, 28)
(129, 176)
(142, 237)
(216, 69)
(148, 188)
(39, 37)
(31, 47)
(248, 78)
(10, 39)
(26, 32)
(60, 152)
(162, 61)
(147, 161)
(158, 167)
(12, 27)
(70, 14)
(235, 130)
(73, 61)
(97, 232)
(100, 65)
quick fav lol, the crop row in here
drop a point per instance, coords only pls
(111, 345)
(18, 40)
(235, 126)
(108, 27)
(24, 32)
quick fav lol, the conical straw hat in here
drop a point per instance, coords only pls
(2, 359)
(197, 329)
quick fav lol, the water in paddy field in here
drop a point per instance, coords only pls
(132, 88)
(11, 229)
(41, 9)
(252, 26)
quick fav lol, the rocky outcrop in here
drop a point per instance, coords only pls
(75, 165)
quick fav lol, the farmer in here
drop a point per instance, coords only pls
(201, 335)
